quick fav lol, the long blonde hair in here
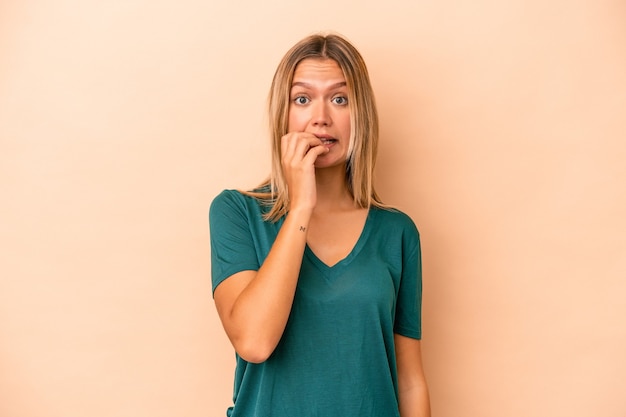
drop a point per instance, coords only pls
(363, 120)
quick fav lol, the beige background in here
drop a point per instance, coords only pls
(504, 127)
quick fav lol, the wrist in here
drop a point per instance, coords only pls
(299, 217)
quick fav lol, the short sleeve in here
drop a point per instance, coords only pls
(232, 245)
(408, 320)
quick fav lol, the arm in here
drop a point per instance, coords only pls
(412, 388)
(254, 306)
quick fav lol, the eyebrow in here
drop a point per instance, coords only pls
(307, 85)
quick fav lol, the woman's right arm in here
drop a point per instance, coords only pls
(254, 306)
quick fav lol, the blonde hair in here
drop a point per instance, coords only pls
(363, 120)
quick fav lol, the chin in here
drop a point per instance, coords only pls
(330, 164)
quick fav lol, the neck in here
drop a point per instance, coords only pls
(332, 190)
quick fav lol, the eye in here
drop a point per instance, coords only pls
(340, 100)
(301, 100)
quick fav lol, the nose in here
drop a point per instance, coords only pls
(321, 114)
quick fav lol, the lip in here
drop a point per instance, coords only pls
(323, 136)
(327, 140)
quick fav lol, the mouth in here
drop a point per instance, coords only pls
(326, 140)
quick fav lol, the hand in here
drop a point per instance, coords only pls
(299, 152)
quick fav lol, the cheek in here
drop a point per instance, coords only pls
(294, 121)
(346, 126)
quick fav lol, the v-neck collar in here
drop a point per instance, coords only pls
(365, 232)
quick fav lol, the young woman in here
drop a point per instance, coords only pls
(318, 283)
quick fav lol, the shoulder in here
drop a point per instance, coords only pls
(234, 203)
(227, 196)
(226, 200)
(238, 197)
(396, 230)
(395, 219)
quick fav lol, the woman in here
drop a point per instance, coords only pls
(318, 283)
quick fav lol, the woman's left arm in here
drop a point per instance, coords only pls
(412, 388)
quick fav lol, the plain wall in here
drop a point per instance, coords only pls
(503, 136)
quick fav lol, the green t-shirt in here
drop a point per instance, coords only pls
(336, 356)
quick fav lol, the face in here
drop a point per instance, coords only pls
(319, 105)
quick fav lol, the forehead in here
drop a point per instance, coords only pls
(318, 70)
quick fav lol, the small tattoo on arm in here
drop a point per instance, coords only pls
(302, 228)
